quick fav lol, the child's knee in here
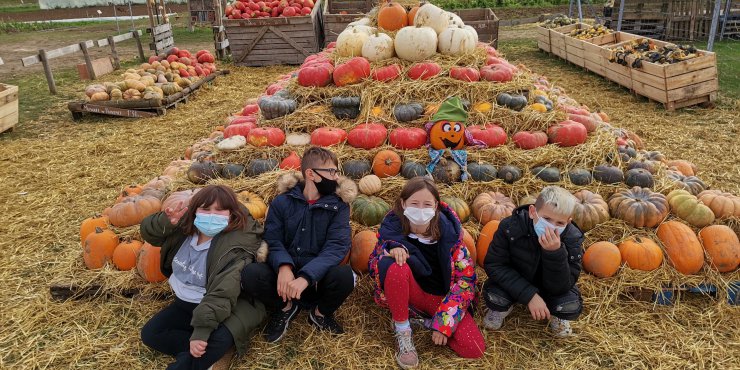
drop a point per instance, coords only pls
(495, 298)
(569, 310)
(398, 270)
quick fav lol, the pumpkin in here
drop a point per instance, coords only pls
(446, 171)
(408, 112)
(410, 169)
(328, 136)
(232, 143)
(363, 245)
(275, 106)
(316, 75)
(547, 174)
(469, 242)
(722, 204)
(467, 74)
(590, 210)
(254, 204)
(178, 198)
(458, 205)
(258, 166)
(377, 47)
(510, 174)
(124, 256)
(232, 170)
(131, 94)
(538, 107)
(587, 121)
(424, 71)
(682, 247)
(641, 254)
(639, 177)
(431, 16)
(350, 42)
(456, 40)
(369, 210)
(484, 240)
(626, 153)
(490, 134)
(498, 73)
(201, 171)
(370, 185)
(100, 96)
(722, 246)
(392, 16)
(445, 134)
(345, 107)
(99, 247)
(580, 176)
(529, 139)
(89, 225)
(148, 262)
(412, 14)
(685, 167)
(386, 74)
(602, 259)
(512, 101)
(298, 139)
(291, 162)
(266, 136)
(690, 209)
(567, 133)
(406, 138)
(480, 171)
(356, 168)
(415, 43)
(653, 156)
(638, 207)
(386, 163)
(482, 107)
(692, 184)
(608, 174)
(489, 206)
(645, 164)
(133, 209)
(351, 72)
(367, 136)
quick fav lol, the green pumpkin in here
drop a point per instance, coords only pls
(410, 169)
(232, 170)
(510, 174)
(276, 106)
(639, 177)
(480, 171)
(580, 176)
(201, 171)
(459, 206)
(345, 107)
(259, 166)
(546, 174)
(608, 174)
(512, 101)
(369, 210)
(408, 112)
(447, 172)
(692, 184)
(356, 168)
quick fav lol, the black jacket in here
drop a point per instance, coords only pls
(515, 255)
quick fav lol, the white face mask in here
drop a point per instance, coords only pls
(419, 216)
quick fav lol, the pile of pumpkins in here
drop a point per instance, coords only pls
(162, 76)
(246, 9)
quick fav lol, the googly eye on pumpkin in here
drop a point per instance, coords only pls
(446, 127)
(458, 127)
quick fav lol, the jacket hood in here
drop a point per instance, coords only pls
(346, 188)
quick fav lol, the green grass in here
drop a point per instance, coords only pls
(466, 4)
(15, 6)
(728, 63)
(17, 27)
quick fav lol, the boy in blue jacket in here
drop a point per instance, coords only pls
(308, 234)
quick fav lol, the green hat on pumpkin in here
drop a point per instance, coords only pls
(451, 110)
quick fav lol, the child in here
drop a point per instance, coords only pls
(308, 234)
(535, 259)
(421, 264)
(204, 246)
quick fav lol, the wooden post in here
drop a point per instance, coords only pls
(165, 19)
(114, 53)
(47, 72)
(621, 15)
(139, 46)
(715, 21)
(88, 61)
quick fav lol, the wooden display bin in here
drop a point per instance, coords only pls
(270, 41)
(543, 38)
(615, 72)
(484, 21)
(593, 59)
(574, 46)
(557, 40)
(8, 107)
(339, 13)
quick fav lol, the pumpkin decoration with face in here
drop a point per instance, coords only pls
(448, 128)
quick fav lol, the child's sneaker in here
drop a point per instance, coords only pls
(560, 328)
(494, 320)
(407, 358)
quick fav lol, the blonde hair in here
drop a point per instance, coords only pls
(560, 199)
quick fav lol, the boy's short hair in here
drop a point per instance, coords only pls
(558, 198)
(316, 156)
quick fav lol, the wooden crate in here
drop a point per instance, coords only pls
(557, 40)
(543, 38)
(593, 59)
(485, 22)
(573, 46)
(270, 41)
(615, 72)
(339, 13)
(8, 107)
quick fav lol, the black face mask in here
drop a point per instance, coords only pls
(326, 186)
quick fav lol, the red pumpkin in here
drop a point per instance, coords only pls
(468, 74)
(367, 136)
(272, 89)
(235, 120)
(266, 136)
(530, 139)
(490, 134)
(317, 59)
(496, 73)
(587, 121)
(575, 110)
(423, 70)
(242, 129)
(317, 75)
(327, 136)
(408, 138)
(351, 72)
(291, 162)
(567, 133)
(387, 73)
(332, 45)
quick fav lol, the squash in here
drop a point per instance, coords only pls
(124, 256)
(99, 247)
(276, 106)
(489, 206)
(639, 177)
(510, 174)
(408, 112)
(386, 163)
(232, 143)
(484, 240)
(131, 94)
(685, 167)
(547, 174)
(148, 263)
(345, 107)
(100, 96)
(356, 168)
(89, 225)
(378, 47)
(201, 171)
(722, 246)
(480, 171)
(580, 176)
(232, 170)
(411, 169)
(370, 185)
(132, 210)
(638, 207)
(369, 210)
(291, 162)
(447, 171)
(461, 208)
(415, 43)
(590, 210)
(455, 40)
(602, 259)
(682, 246)
(608, 174)
(254, 204)
(692, 184)
(690, 209)
(392, 16)
(363, 245)
(722, 204)
(641, 253)
(645, 164)
(258, 166)
(298, 139)
(431, 16)
(328, 136)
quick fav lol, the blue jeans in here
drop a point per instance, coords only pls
(565, 307)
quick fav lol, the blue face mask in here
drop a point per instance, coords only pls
(210, 224)
(541, 226)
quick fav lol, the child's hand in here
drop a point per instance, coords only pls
(296, 287)
(285, 276)
(550, 240)
(175, 214)
(400, 255)
(538, 308)
(198, 348)
(439, 338)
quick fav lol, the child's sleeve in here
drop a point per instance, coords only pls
(453, 307)
(561, 268)
(498, 267)
(274, 231)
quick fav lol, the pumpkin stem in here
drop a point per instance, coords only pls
(98, 230)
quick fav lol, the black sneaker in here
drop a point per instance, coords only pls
(279, 322)
(327, 323)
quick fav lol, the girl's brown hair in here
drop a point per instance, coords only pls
(225, 197)
(412, 186)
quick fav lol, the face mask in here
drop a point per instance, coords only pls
(541, 225)
(326, 186)
(210, 224)
(419, 216)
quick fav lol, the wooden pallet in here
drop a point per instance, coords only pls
(162, 38)
(339, 13)
(8, 107)
(485, 22)
(139, 108)
(269, 41)
(666, 296)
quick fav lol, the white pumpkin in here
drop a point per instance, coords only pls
(455, 41)
(364, 21)
(350, 42)
(472, 32)
(298, 139)
(367, 29)
(431, 16)
(378, 47)
(416, 43)
(232, 143)
(455, 20)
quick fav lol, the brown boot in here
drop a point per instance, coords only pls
(224, 363)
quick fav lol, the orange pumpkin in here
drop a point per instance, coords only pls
(491, 205)
(722, 204)
(685, 167)
(412, 14)
(89, 225)
(469, 242)
(181, 198)
(446, 134)
(254, 203)
(602, 259)
(641, 254)
(99, 247)
(124, 256)
(722, 246)
(363, 245)
(147, 263)
(386, 163)
(129, 191)
(133, 209)
(682, 246)
(159, 183)
(484, 240)
(392, 17)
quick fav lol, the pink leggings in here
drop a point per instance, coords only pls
(402, 291)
